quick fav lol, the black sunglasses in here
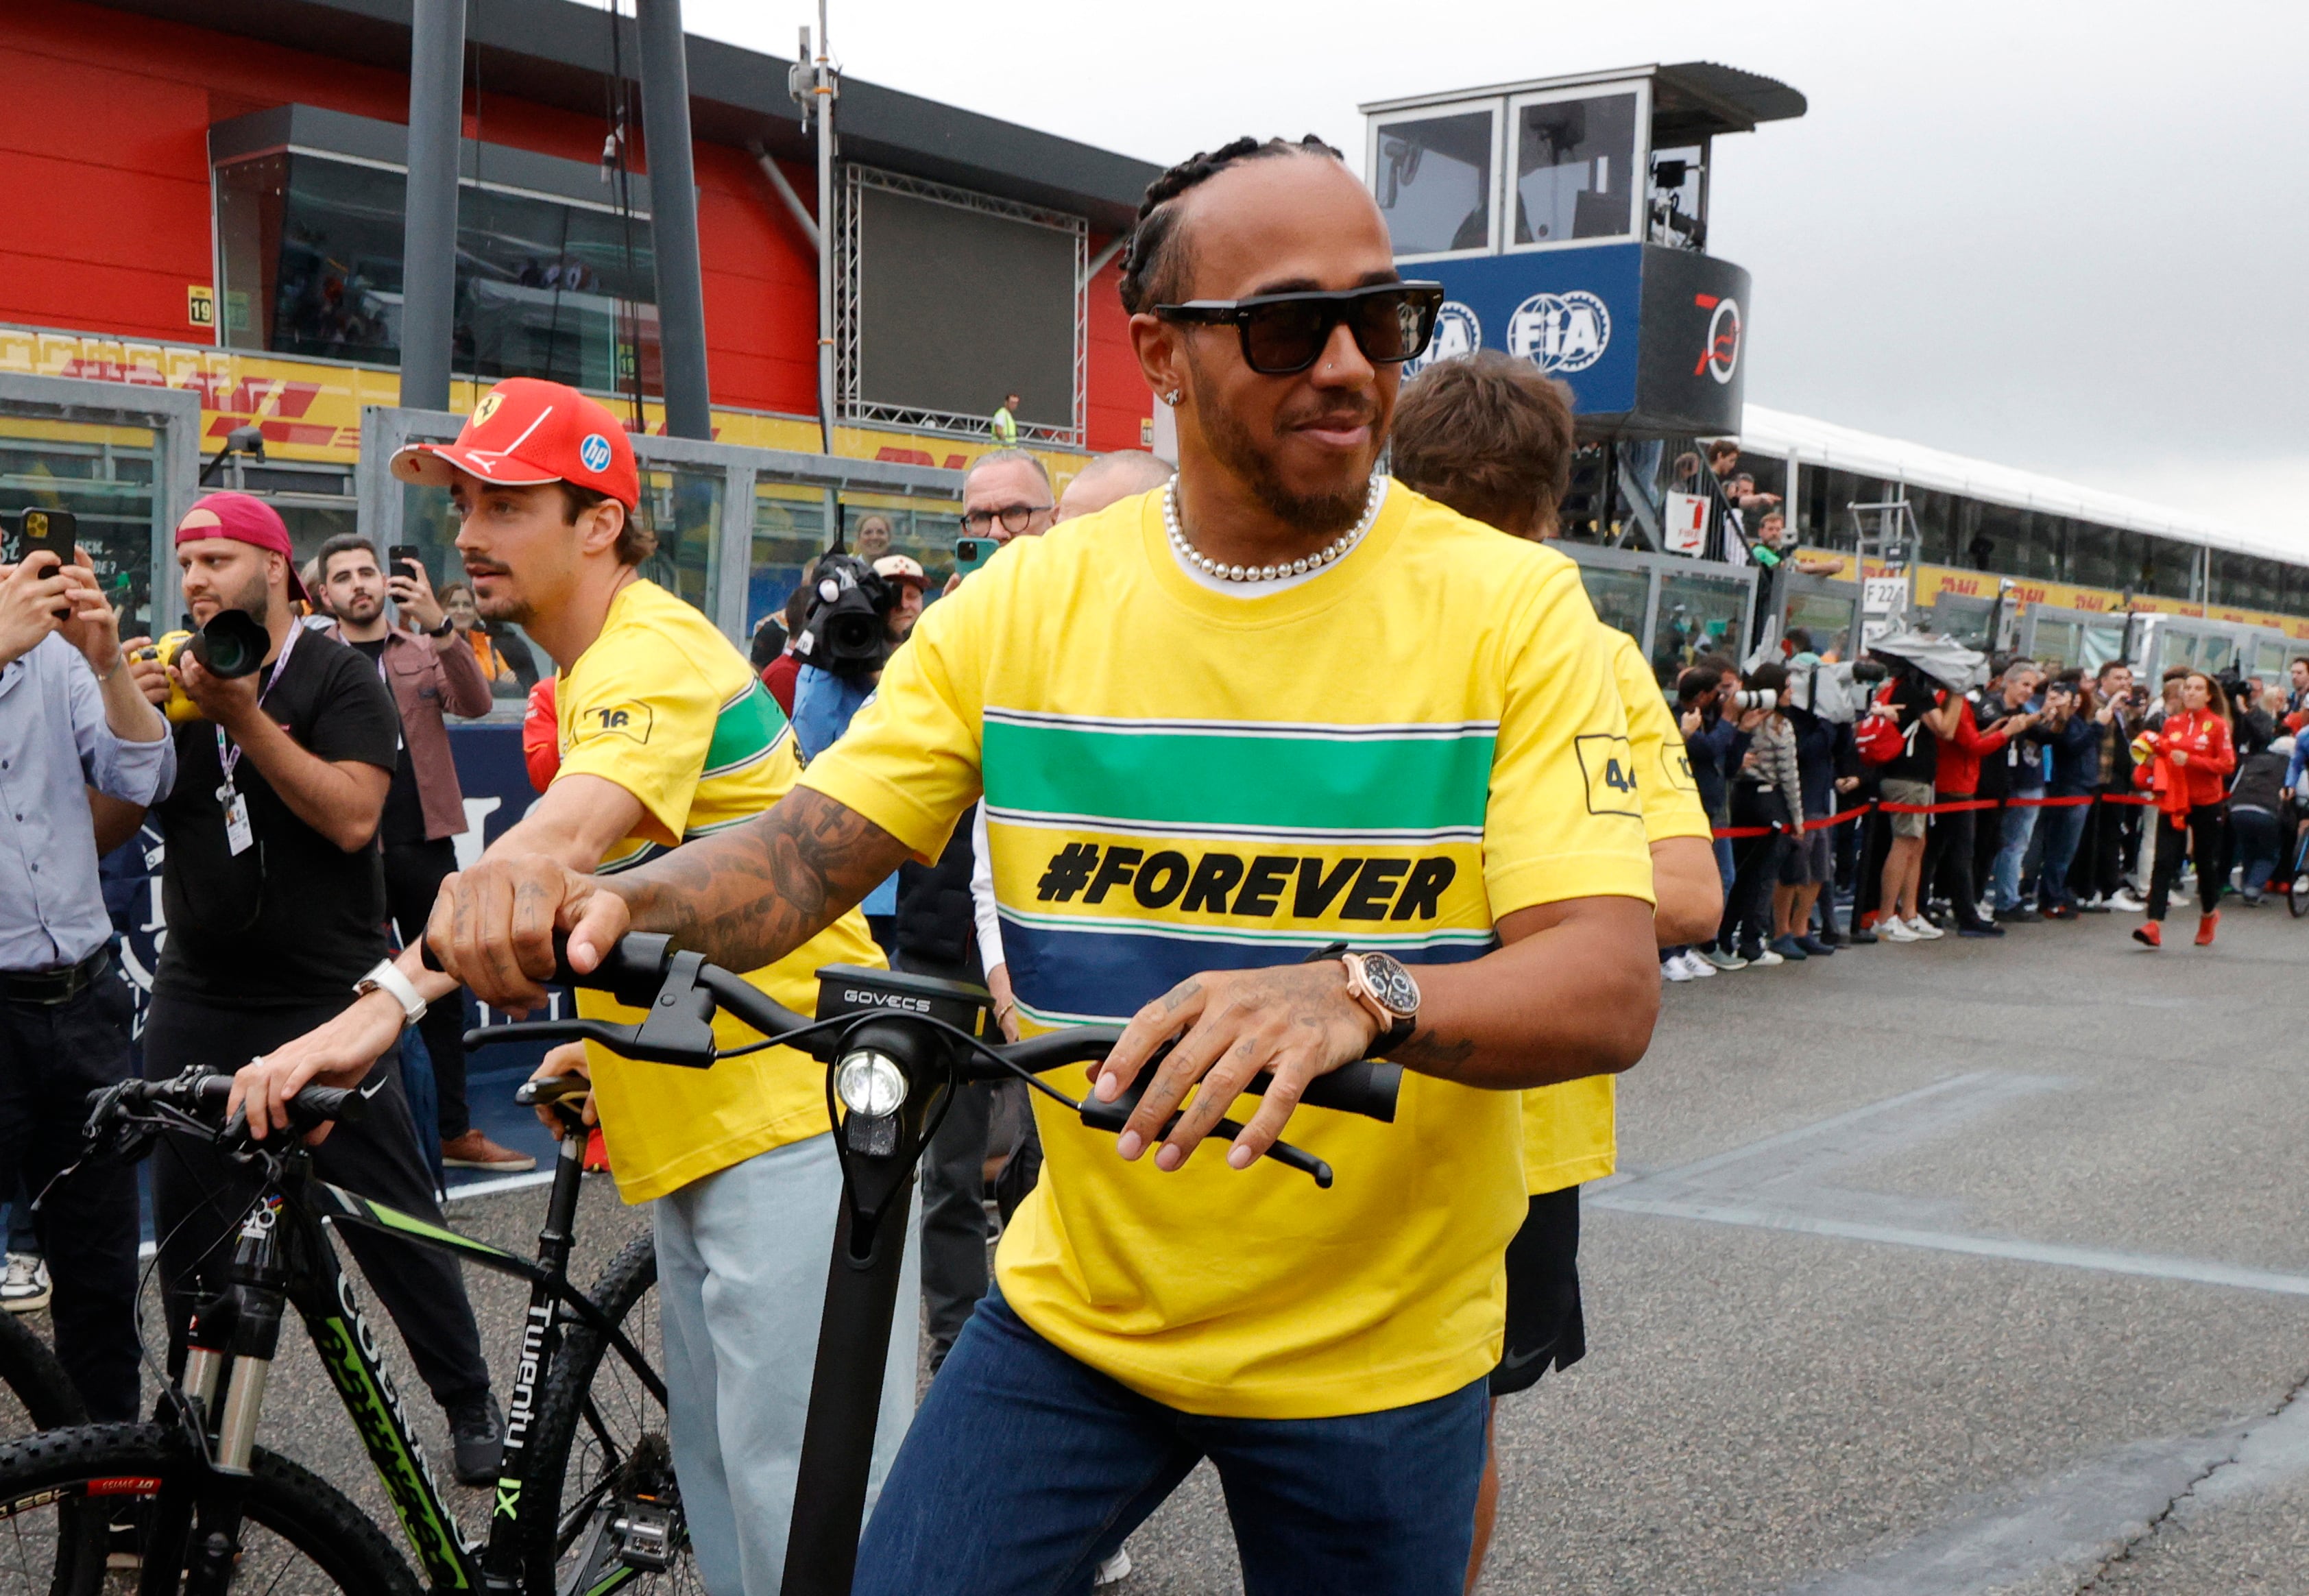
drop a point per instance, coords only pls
(1286, 333)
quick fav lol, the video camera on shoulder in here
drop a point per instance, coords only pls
(846, 629)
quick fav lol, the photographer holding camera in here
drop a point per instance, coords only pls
(71, 718)
(1767, 793)
(273, 889)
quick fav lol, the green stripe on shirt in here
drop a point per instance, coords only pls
(1352, 778)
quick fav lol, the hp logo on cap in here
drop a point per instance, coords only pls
(595, 452)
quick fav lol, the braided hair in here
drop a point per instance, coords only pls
(1155, 258)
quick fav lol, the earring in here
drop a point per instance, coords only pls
(1171, 398)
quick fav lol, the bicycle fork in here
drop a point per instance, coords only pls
(230, 1345)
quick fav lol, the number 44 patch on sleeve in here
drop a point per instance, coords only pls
(1608, 766)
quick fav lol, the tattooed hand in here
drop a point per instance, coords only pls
(492, 927)
(1296, 1021)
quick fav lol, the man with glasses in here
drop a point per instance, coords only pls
(1008, 495)
(1283, 708)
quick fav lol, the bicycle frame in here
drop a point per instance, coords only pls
(283, 1254)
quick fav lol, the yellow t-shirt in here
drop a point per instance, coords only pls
(1392, 755)
(1569, 1131)
(662, 705)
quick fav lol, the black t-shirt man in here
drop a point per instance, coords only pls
(1919, 758)
(404, 810)
(293, 919)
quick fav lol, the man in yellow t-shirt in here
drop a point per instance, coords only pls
(1491, 436)
(1280, 706)
(666, 737)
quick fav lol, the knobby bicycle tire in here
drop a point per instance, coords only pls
(564, 1506)
(59, 1489)
(2296, 891)
(32, 1375)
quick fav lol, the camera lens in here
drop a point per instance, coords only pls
(232, 644)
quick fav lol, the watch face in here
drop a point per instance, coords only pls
(1391, 984)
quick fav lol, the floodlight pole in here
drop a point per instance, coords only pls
(673, 220)
(823, 91)
(429, 254)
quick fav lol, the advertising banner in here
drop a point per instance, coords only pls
(1648, 339)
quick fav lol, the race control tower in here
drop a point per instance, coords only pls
(1567, 220)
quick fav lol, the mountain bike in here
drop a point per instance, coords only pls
(201, 1499)
(35, 1392)
(585, 1500)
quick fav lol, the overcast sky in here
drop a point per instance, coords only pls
(2071, 237)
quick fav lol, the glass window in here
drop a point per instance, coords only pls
(1828, 617)
(2096, 558)
(1575, 169)
(1964, 619)
(2216, 652)
(1697, 614)
(1674, 216)
(683, 507)
(1619, 597)
(2056, 645)
(2269, 660)
(2166, 567)
(790, 533)
(311, 254)
(1433, 182)
(2101, 644)
(104, 475)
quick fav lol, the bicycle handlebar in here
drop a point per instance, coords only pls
(195, 1102)
(679, 993)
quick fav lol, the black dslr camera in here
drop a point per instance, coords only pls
(846, 628)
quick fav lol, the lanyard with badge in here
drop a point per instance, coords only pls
(239, 834)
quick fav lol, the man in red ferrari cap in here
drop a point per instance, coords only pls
(273, 893)
(665, 735)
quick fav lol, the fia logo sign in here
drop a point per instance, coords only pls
(1457, 333)
(1560, 333)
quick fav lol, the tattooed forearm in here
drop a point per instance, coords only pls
(1427, 1052)
(748, 897)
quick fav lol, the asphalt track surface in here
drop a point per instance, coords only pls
(1958, 1267)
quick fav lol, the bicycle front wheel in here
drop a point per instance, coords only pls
(601, 1508)
(2296, 892)
(84, 1511)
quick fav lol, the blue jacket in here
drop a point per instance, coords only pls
(1716, 750)
(2076, 757)
(823, 704)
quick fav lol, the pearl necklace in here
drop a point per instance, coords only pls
(1374, 497)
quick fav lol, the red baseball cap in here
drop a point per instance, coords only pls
(244, 520)
(526, 432)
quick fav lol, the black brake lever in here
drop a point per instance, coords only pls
(1113, 1116)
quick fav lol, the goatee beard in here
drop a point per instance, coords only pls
(1311, 515)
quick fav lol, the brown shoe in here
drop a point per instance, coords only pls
(474, 1150)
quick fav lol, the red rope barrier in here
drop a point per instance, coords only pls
(1954, 807)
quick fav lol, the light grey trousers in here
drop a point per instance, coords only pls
(741, 1264)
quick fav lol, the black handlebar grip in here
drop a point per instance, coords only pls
(326, 1103)
(1367, 1086)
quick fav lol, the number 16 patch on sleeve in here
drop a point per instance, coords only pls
(1609, 765)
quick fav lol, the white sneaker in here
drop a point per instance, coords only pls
(1895, 929)
(1765, 958)
(1114, 1570)
(1672, 969)
(1698, 968)
(1924, 929)
(24, 1289)
(2122, 899)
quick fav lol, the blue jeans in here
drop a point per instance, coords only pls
(2255, 831)
(2063, 825)
(2011, 848)
(1025, 1468)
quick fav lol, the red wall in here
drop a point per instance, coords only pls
(104, 156)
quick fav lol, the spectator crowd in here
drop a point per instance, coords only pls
(2043, 793)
